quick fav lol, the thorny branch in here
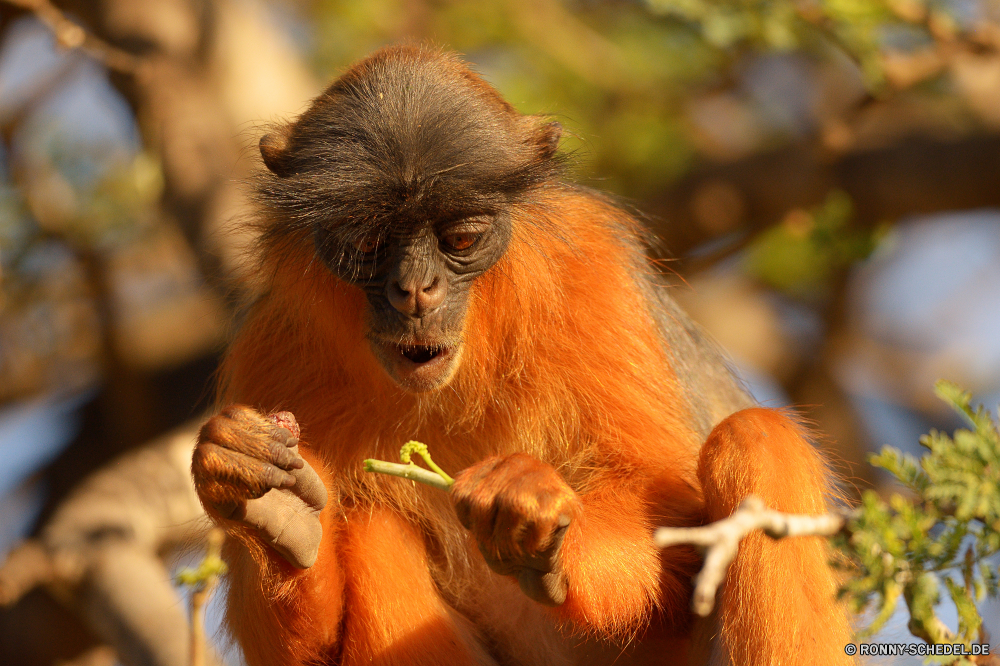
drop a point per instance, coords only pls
(721, 540)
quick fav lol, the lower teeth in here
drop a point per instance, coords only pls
(419, 354)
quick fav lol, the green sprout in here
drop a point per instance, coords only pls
(437, 478)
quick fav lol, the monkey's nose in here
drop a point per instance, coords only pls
(417, 299)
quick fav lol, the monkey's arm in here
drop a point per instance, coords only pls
(252, 480)
(778, 604)
(590, 554)
(286, 583)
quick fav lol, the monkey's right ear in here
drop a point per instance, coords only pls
(274, 150)
(548, 139)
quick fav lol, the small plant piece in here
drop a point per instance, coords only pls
(437, 478)
(420, 448)
(203, 580)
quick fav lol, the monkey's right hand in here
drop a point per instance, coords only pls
(247, 469)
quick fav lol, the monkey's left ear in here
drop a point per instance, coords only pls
(274, 150)
(547, 137)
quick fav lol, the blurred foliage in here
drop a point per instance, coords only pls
(639, 81)
(646, 89)
(615, 74)
(946, 530)
(58, 232)
(802, 255)
(861, 28)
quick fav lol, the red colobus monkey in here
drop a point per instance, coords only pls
(429, 276)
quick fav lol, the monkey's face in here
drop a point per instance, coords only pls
(417, 278)
(404, 172)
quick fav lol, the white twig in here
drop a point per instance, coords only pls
(721, 540)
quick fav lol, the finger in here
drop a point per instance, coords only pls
(526, 511)
(225, 476)
(309, 486)
(253, 436)
(513, 528)
(546, 558)
(478, 515)
(549, 589)
(473, 506)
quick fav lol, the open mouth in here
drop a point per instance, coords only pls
(418, 367)
(421, 353)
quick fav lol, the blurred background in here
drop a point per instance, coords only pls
(823, 177)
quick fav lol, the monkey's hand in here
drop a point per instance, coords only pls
(518, 509)
(247, 469)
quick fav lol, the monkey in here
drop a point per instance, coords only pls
(429, 274)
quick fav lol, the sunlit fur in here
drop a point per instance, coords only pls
(563, 360)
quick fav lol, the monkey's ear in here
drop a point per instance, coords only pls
(544, 134)
(274, 150)
(547, 138)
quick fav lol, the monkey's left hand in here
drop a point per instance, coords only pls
(518, 509)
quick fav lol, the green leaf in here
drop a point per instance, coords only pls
(969, 620)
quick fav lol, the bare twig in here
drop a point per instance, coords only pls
(721, 540)
(72, 36)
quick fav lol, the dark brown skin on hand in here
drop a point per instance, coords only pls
(518, 510)
(240, 457)
(432, 278)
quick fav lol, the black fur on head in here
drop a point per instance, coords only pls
(408, 134)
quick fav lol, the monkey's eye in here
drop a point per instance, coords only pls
(459, 241)
(367, 244)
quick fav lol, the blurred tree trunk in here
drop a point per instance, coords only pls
(211, 69)
(913, 176)
(207, 71)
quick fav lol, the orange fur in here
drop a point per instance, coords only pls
(565, 362)
(777, 600)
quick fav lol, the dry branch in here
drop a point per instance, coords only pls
(721, 540)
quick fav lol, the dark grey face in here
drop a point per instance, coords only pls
(417, 279)
(404, 172)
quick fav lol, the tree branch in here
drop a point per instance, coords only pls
(912, 176)
(721, 540)
(72, 36)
